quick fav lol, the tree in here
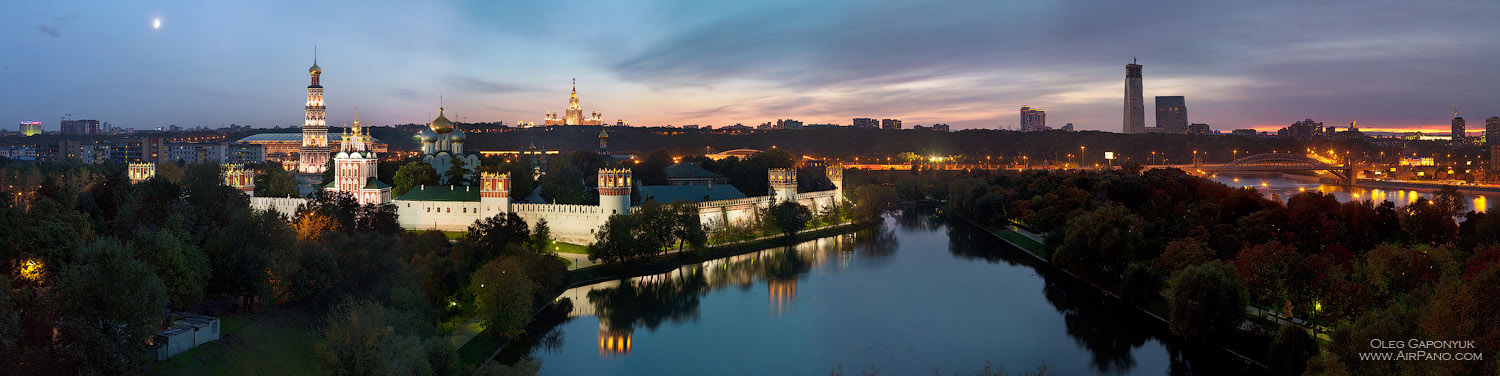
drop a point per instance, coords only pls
(687, 225)
(367, 338)
(1181, 254)
(274, 181)
(1266, 270)
(502, 296)
(181, 265)
(617, 240)
(655, 226)
(488, 237)
(789, 217)
(1100, 241)
(1449, 201)
(458, 173)
(871, 201)
(563, 183)
(1290, 351)
(411, 175)
(541, 236)
(110, 303)
(1206, 302)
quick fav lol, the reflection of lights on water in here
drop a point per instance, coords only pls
(614, 343)
(1481, 204)
(1236, 180)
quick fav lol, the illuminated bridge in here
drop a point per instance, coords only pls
(1282, 162)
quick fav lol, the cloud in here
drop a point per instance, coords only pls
(49, 30)
(484, 86)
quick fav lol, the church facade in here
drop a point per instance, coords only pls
(443, 149)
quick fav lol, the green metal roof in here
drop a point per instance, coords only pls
(441, 193)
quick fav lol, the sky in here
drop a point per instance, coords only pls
(1391, 65)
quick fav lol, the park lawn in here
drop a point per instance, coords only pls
(452, 235)
(276, 342)
(570, 248)
(479, 349)
(1026, 243)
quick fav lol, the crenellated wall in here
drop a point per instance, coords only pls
(569, 223)
(437, 215)
(286, 206)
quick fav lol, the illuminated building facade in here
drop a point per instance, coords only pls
(1033, 119)
(31, 128)
(890, 123)
(442, 145)
(355, 168)
(574, 114)
(1458, 131)
(1135, 106)
(1171, 114)
(866, 123)
(312, 158)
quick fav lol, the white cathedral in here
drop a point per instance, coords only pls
(451, 206)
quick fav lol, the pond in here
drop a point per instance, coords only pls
(910, 296)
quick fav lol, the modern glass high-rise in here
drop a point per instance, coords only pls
(1135, 106)
(1171, 114)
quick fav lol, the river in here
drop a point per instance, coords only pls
(911, 296)
(1285, 188)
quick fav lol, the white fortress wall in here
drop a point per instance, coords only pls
(569, 223)
(437, 215)
(286, 206)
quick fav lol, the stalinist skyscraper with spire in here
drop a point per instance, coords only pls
(574, 113)
(313, 156)
(1135, 106)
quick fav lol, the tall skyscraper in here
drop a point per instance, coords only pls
(312, 158)
(1033, 119)
(1492, 131)
(1171, 114)
(1135, 106)
(1458, 129)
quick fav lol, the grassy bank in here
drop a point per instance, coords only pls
(276, 341)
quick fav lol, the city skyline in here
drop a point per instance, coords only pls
(1391, 66)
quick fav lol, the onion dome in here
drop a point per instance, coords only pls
(315, 70)
(457, 136)
(426, 135)
(441, 124)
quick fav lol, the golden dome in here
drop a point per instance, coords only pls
(315, 70)
(441, 124)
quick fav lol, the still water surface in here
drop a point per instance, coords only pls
(910, 296)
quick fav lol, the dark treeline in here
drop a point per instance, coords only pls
(100, 262)
(1369, 270)
(847, 142)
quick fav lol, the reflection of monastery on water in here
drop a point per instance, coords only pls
(779, 268)
(454, 206)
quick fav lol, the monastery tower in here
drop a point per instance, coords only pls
(614, 191)
(313, 156)
(783, 183)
